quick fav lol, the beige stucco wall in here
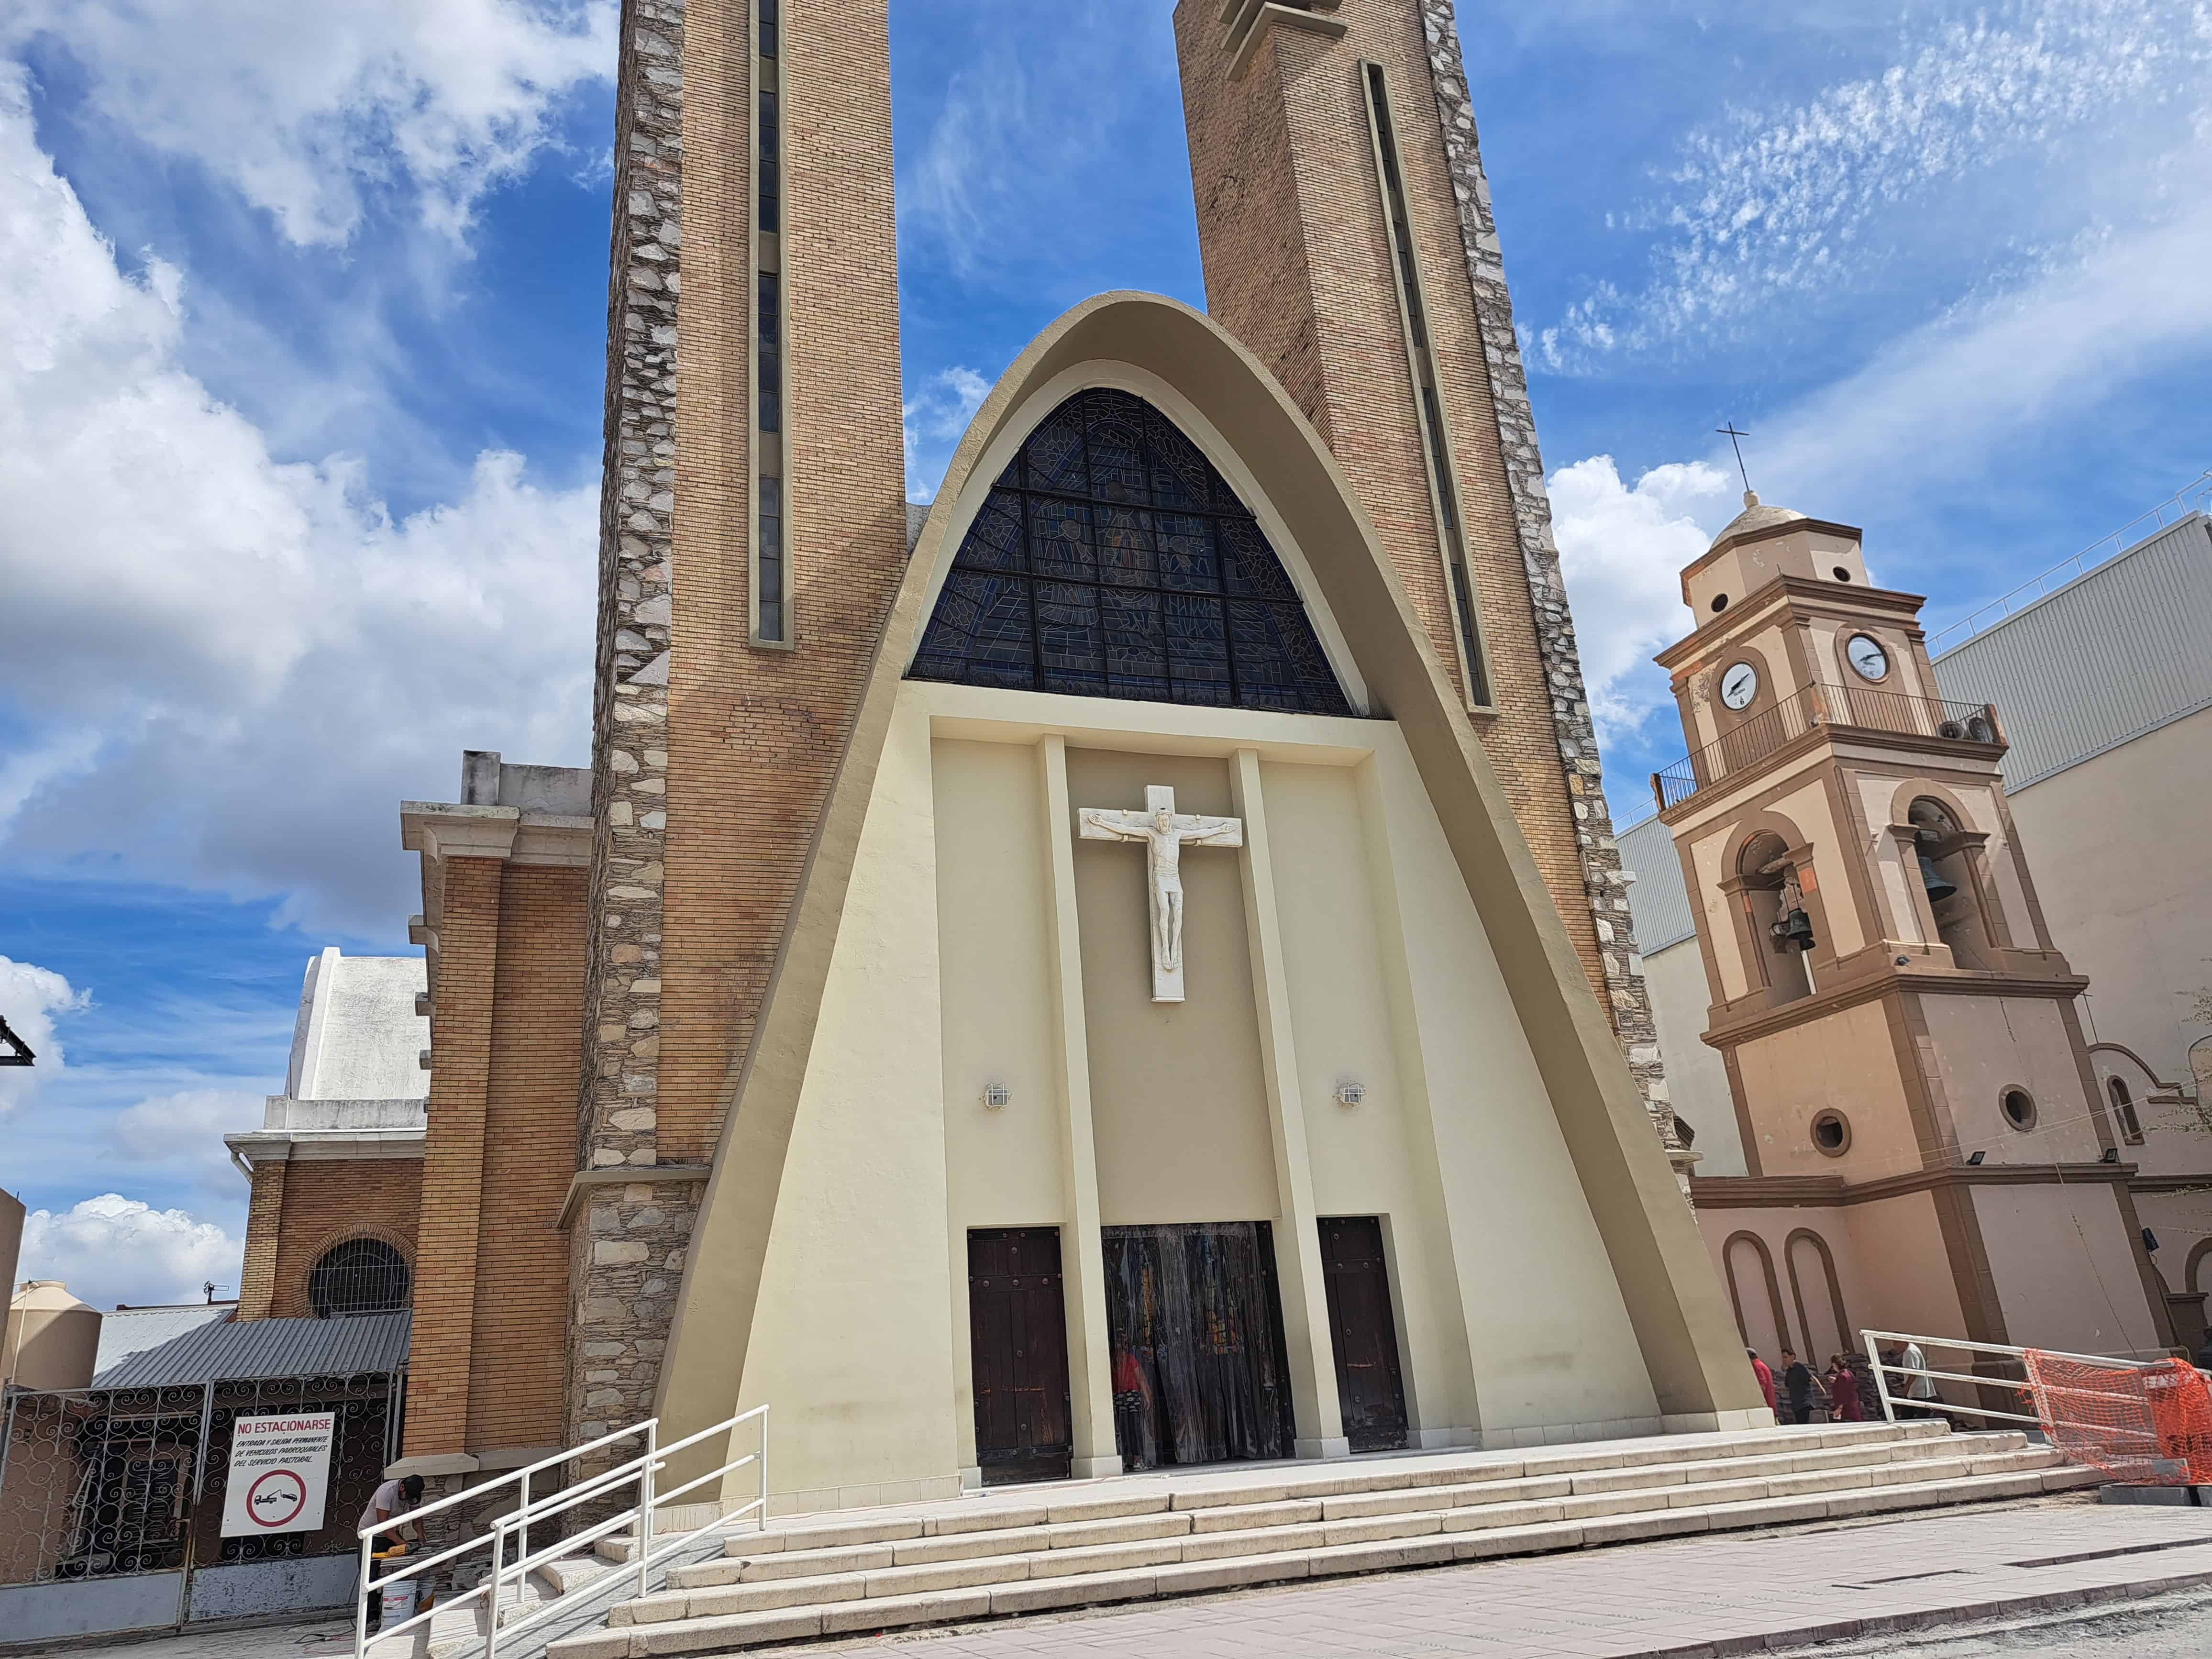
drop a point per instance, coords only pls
(853, 1344)
(1882, 1253)
(1900, 1261)
(2110, 843)
(1548, 1335)
(1511, 1323)
(2069, 1279)
(2182, 1221)
(1845, 1061)
(1806, 1297)
(1178, 1104)
(1984, 1045)
(1696, 1076)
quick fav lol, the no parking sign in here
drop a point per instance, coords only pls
(280, 1474)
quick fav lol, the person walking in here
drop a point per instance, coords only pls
(1796, 1387)
(389, 1501)
(1918, 1390)
(1844, 1394)
(1760, 1369)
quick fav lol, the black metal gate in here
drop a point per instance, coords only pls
(112, 1503)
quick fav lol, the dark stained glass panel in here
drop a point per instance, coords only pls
(1111, 560)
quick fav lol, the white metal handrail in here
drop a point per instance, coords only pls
(514, 1524)
(1883, 1371)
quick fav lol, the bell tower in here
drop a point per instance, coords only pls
(1902, 1038)
(752, 533)
(1346, 229)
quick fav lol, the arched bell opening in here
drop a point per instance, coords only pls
(1943, 854)
(1781, 927)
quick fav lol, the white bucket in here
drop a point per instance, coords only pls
(400, 1601)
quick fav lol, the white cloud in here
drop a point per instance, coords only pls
(112, 1249)
(233, 666)
(934, 420)
(312, 111)
(1622, 548)
(181, 1134)
(1932, 407)
(2060, 117)
(30, 999)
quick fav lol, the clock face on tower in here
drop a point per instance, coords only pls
(1871, 661)
(1740, 685)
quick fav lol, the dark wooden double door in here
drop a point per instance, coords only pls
(1200, 1373)
(1017, 1334)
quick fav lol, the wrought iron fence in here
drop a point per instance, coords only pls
(1858, 707)
(99, 1483)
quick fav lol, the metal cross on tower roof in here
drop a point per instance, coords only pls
(1734, 437)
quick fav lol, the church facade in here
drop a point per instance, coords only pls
(1132, 969)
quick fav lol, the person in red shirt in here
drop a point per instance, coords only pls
(1844, 1394)
(1758, 1369)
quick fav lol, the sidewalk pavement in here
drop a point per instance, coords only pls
(1688, 1599)
(1705, 1597)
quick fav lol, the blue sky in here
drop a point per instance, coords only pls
(300, 337)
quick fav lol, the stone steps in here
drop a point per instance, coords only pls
(1120, 1541)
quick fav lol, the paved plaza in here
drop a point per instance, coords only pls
(2061, 1576)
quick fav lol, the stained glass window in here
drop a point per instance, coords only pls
(1111, 560)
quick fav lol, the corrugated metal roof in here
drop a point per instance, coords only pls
(133, 1330)
(255, 1350)
(2119, 651)
(1656, 898)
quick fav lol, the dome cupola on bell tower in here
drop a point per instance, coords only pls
(1764, 542)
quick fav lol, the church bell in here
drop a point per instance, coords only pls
(1939, 886)
(1794, 931)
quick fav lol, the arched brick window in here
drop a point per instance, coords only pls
(360, 1276)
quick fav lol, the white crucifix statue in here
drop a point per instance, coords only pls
(1165, 832)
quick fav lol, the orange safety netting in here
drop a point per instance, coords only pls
(2148, 1425)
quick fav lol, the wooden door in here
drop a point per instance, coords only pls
(1364, 1332)
(1017, 1336)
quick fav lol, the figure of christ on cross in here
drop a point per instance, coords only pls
(1165, 833)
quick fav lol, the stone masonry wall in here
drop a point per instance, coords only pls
(1629, 1000)
(714, 757)
(614, 1344)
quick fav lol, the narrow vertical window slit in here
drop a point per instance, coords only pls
(1436, 439)
(771, 563)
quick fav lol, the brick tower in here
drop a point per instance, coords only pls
(1345, 226)
(752, 530)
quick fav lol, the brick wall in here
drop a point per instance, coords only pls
(710, 782)
(324, 1203)
(264, 1215)
(1288, 146)
(517, 1345)
(465, 968)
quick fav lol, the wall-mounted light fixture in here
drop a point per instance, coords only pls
(1974, 1160)
(2112, 1155)
(1350, 1093)
(996, 1097)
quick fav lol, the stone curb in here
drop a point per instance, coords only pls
(1899, 1624)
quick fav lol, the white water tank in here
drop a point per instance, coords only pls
(52, 1339)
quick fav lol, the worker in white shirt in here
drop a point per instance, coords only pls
(390, 1501)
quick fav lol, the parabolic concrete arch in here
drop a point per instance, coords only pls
(1226, 401)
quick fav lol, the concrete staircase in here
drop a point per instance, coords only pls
(1075, 1544)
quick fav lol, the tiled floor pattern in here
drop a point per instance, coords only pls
(1715, 1594)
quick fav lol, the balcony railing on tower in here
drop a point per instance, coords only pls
(1843, 707)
